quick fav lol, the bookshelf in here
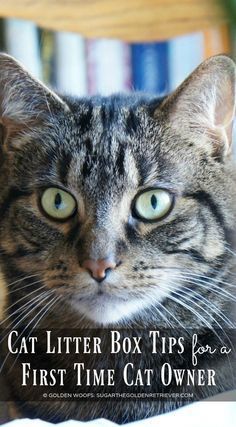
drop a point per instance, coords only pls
(130, 20)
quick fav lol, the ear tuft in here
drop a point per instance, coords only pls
(24, 101)
(205, 102)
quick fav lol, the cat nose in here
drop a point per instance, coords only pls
(99, 268)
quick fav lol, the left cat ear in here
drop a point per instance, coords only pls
(25, 103)
(204, 104)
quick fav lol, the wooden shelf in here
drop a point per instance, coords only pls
(131, 20)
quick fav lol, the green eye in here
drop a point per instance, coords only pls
(153, 204)
(58, 204)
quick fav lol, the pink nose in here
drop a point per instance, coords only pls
(99, 269)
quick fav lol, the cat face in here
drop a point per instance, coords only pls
(118, 209)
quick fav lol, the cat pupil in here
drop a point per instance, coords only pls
(58, 201)
(154, 201)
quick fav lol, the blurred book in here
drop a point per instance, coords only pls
(185, 54)
(22, 42)
(109, 66)
(2, 35)
(233, 41)
(47, 56)
(70, 64)
(78, 67)
(150, 67)
(217, 40)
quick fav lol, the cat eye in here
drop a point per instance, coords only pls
(153, 205)
(58, 204)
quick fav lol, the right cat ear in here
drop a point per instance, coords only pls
(203, 107)
(25, 103)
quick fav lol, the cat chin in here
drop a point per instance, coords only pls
(109, 311)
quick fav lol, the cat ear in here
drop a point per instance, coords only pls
(204, 104)
(25, 102)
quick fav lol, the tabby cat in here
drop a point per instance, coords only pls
(116, 212)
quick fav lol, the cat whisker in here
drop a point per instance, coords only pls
(188, 308)
(209, 285)
(20, 308)
(159, 312)
(214, 320)
(44, 311)
(230, 251)
(25, 296)
(28, 313)
(200, 274)
(25, 286)
(199, 316)
(200, 297)
(23, 308)
(184, 269)
(21, 279)
(168, 312)
(216, 280)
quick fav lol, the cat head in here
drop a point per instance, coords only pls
(117, 209)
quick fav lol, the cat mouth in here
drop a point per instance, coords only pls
(101, 296)
(106, 309)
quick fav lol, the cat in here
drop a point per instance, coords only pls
(117, 212)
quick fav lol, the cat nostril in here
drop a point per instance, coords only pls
(100, 268)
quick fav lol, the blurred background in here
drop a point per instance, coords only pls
(73, 64)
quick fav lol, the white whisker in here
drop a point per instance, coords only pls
(45, 310)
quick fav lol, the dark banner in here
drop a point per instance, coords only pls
(117, 364)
